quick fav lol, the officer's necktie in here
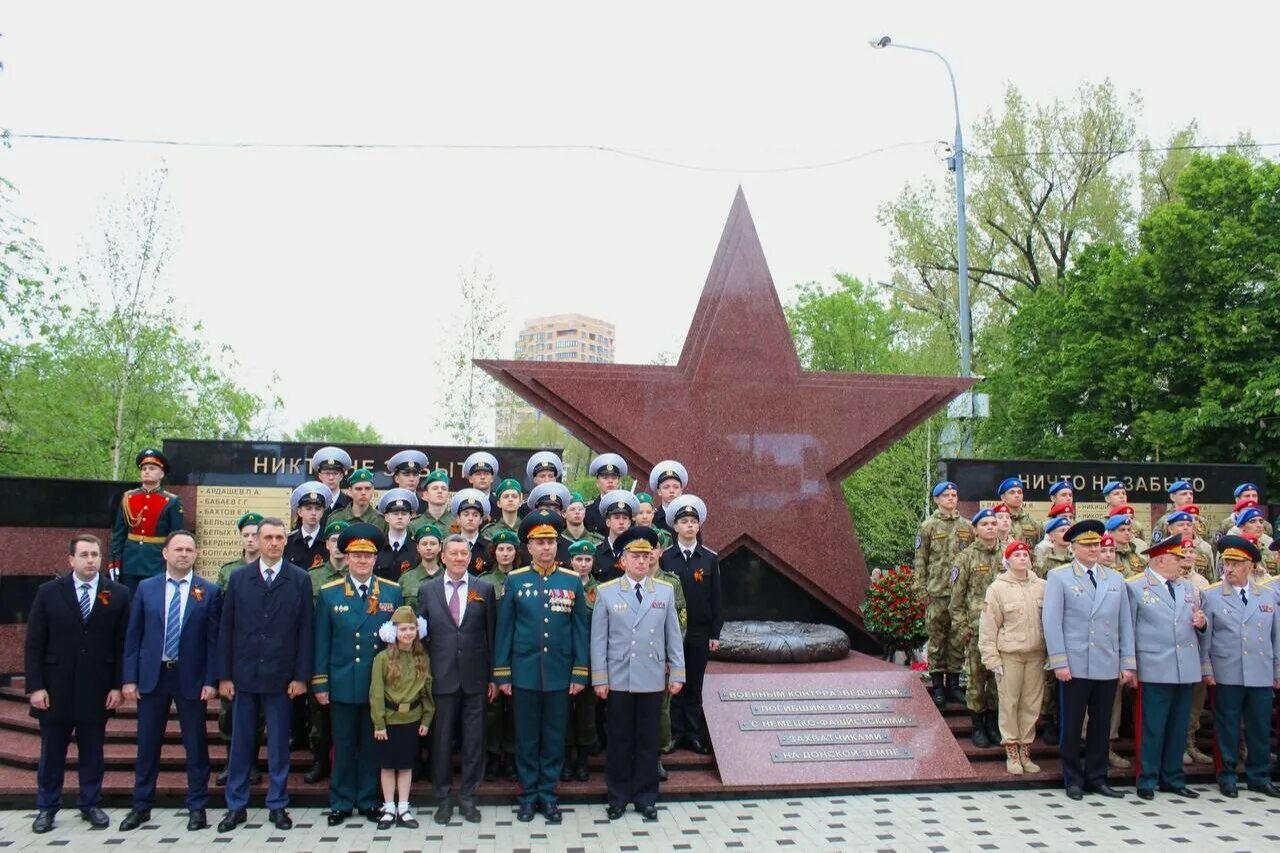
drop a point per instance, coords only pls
(1092, 579)
(455, 602)
(639, 594)
(308, 540)
(85, 604)
(364, 591)
(270, 573)
(173, 621)
(1244, 597)
(687, 555)
(1172, 594)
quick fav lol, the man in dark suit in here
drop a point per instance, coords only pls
(168, 659)
(460, 616)
(263, 663)
(74, 649)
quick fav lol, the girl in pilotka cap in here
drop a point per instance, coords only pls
(401, 707)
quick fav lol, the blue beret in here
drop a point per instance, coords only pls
(943, 486)
(1179, 516)
(1059, 486)
(1112, 486)
(981, 514)
(1180, 486)
(1248, 515)
(1010, 483)
(1054, 523)
(1244, 487)
(1117, 521)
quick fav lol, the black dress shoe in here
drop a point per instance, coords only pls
(1105, 790)
(1229, 790)
(372, 814)
(614, 812)
(96, 817)
(566, 772)
(1182, 791)
(279, 818)
(552, 814)
(134, 819)
(649, 812)
(580, 772)
(1075, 793)
(197, 820)
(317, 773)
(407, 820)
(444, 813)
(525, 812)
(221, 779)
(337, 817)
(1146, 794)
(698, 746)
(43, 822)
(540, 807)
(231, 820)
(386, 820)
(470, 813)
(1268, 788)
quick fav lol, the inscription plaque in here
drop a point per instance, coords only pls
(761, 709)
(855, 753)
(801, 695)
(866, 721)
(833, 738)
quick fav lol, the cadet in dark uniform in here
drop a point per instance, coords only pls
(480, 469)
(348, 614)
(330, 465)
(406, 468)
(698, 568)
(619, 508)
(667, 481)
(147, 515)
(540, 658)
(305, 546)
(608, 469)
(398, 554)
(471, 507)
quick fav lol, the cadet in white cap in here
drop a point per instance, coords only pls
(544, 467)
(608, 469)
(480, 469)
(470, 506)
(305, 547)
(399, 553)
(330, 465)
(667, 481)
(406, 467)
(618, 508)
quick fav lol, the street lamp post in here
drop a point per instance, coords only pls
(962, 245)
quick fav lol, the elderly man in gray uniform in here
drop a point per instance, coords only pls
(635, 641)
(1240, 657)
(1166, 615)
(1088, 631)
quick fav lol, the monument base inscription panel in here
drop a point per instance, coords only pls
(854, 722)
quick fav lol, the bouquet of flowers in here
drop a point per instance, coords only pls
(892, 612)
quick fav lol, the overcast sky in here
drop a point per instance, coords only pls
(331, 261)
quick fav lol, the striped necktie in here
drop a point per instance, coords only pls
(173, 621)
(85, 604)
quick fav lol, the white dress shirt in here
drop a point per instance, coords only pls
(275, 568)
(93, 590)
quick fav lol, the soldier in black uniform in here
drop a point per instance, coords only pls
(698, 568)
(608, 469)
(667, 481)
(330, 465)
(406, 468)
(470, 507)
(619, 507)
(399, 553)
(305, 547)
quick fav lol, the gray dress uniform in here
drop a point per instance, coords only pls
(1168, 667)
(635, 641)
(1087, 627)
(1240, 648)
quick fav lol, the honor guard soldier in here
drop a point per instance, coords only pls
(428, 541)
(1024, 527)
(608, 469)
(433, 500)
(305, 547)
(348, 614)
(470, 507)
(974, 569)
(399, 553)
(582, 738)
(698, 568)
(667, 481)
(509, 496)
(330, 465)
(360, 485)
(1166, 614)
(1128, 561)
(248, 527)
(147, 515)
(1181, 494)
(1240, 658)
(1088, 631)
(552, 496)
(619, 508)
(406, 468)
(540, 657)
(942, 536)
(636, 656)
(575, 526)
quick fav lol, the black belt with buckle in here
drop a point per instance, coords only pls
(169, 664)
(404, 707)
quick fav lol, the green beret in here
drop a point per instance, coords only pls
(508, 485)
(577, 498)
(360, 475)
(505, 537)
(644, 498)
(429, 530)
(437, 475)
(247, 519)
(333, 528)
(582, 548)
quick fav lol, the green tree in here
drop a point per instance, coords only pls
(337, 429)
(1168, 352)
(470, 394)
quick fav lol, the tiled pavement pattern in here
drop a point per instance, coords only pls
(1029, 819)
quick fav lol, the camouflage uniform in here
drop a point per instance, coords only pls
(1206, 562)
(1161, 528)
(974, 570)
(1049, 560)
(1129, 562)
(942, 536)
(1025, 528)
(1228, 525)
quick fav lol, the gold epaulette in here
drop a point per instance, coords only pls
(1059, 568)
(515, 572)
(334, 582)
(607, 584)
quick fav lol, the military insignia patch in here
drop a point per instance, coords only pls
(955, 573)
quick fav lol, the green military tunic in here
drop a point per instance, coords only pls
(224, 573)
(492, 528)
(411, 580)
(589, 535)
(974, 570)
(941, 538)
(581, 732)
(347, 514)
(322, 574)
(406, 700)
(444, 522)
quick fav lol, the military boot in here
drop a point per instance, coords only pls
(993, 728)
(979, 733)
(319, 768)
(954, 692)
(939, 692)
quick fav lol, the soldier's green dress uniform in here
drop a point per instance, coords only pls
(225, 570)
(665, 742)
(346, 641)
(541, 648)
(581, 736)
(974, 570)
(499, 715)
(348, 514)
(942, 536)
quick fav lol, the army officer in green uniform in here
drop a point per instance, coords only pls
(540, 658)
(349, 612)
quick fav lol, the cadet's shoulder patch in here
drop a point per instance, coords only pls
(334, 582)
(515, 572)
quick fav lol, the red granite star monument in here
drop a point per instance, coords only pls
(765, 442)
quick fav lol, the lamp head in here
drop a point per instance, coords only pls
(883, 41)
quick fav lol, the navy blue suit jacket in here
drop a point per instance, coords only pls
(265, 639)
(197, 645)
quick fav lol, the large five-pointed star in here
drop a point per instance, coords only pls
(765, 442)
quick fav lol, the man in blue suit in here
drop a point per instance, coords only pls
(263, 664)
(168, 659)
